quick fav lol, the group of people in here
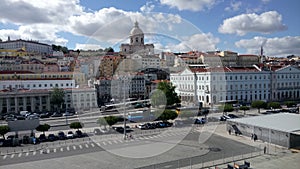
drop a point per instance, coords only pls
(253, 137)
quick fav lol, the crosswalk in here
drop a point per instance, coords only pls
(90, 144)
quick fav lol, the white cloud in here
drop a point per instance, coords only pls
(147, 8)
(267, 22)
(38, 11)
(88, 46)
(113, 25)
(234, 6)
(272, 46)
(193, 5)
(199, 42)
(44, 33)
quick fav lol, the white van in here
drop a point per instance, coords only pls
(23, 113)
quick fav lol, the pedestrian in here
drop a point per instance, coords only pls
(255, 137)
(252, 136)
(265, 150)
(229, 131)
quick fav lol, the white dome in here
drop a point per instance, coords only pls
(136, 30)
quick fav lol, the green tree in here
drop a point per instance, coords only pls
(226, 108)
(109, 50)
(57, 97)
(274, 105)
(4, 130)
(244, 108)
(169, 91)
(43, 128)
(290, 103)
(108, 120)
(258, 104)
(166, 115)
(76, 125)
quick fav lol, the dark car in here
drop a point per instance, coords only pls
(45, 115)
(78, 134)
(200, 120)
(56, 115)
(151, 125)
(42, 138)
(97, 132)
(232, 116)
(52, 137)
(224, 118)
(61, 135)
(20, 117)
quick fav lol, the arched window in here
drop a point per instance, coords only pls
(136, 39)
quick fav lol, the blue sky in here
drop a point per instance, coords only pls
(171, 25)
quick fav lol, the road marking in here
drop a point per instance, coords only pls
(54, 150)
(68, 148)
(41, 151)
(61, 149)
(92, 145)
(86, 145)
(115, 141)
(74, 147)
(20, 154)
(12, 156)
(104, 143)
(34, 153)
(98, 144)
(27, 154)
(80, 146)
(120, 141)
(109, 142)
(4, 157)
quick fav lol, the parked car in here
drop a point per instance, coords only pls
(97, 132)
(56, 114)
(200, 120)
(45, 115)
(42, 138)
(224, 118)
(70, 135)
(20, 117)
(33, 116)
(142, 126)
(52, 137)
(61, 135)
(79, 134)
(232, 116)
(10, 118)
(68, 114)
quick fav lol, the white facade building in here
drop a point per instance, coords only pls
(36, 84)
(212, 85)
(30, 46)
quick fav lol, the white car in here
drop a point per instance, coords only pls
(70, 134)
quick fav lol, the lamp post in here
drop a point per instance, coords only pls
(124, 81)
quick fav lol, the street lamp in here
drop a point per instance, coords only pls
(124, 81)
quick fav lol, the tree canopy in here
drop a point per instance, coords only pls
(76, 125)
(274, 105)
(43, 128)
(244, 108)
(258, 104)
(166, 115)
(4, 130)
(226, 108)
(169, 90)
(108, 120)
(290, 103)
(57, 96)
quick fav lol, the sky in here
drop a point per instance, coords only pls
(171, 25)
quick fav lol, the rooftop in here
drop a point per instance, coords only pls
(286, 122)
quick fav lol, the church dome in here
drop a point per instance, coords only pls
(136, 30)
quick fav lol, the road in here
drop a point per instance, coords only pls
(114, 152)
